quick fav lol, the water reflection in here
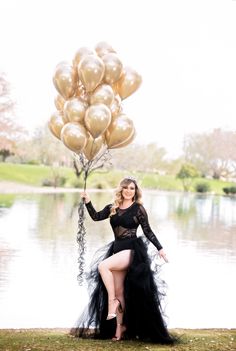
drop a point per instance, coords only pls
(38, 258)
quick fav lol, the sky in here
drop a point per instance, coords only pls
(185, 51)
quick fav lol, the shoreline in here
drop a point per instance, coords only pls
(8, 187)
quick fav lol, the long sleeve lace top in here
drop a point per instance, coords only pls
(126, 221)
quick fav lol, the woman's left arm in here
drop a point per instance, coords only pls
(143, 220)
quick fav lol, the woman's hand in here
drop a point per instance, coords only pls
(163, 255)
(85, 197)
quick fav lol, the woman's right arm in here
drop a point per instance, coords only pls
(96, 216)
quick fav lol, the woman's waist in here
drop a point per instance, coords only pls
(126, 238)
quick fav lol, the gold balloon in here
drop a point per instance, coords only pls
(97, 119)
(65, 118)
(51, 129)
(81, 52)
(59, 102)
(74, 136)
(116, 107)
(93, 147)
(80, 89)
(102, 94)
(56, 124)
(113, 68)
(128, 83)
(102, 48)
(65, 79)
(91, 71)
(62, 64)
(74, 110)
(119, 131)
(81, 93)
(127, 141)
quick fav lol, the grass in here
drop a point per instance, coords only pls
(7, 200)
(56, 339)
(101, 179)
(161, 182)
(32, 174)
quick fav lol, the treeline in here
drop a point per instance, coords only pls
(211, 154)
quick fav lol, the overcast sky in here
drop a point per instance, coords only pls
(185, 52)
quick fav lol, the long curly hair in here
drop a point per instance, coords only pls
(118, 194)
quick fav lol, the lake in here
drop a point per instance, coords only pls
(39, 257)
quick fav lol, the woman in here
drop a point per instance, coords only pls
(125, 300)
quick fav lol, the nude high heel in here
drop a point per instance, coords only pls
(123, 330)
(118, 307)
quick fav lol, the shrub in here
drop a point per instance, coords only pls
(233, 189)
(76, 183)
(202, 187)
(99, 184)
(33, 162)
(47, 182)
(60, 181)
(226, 190)
(186, 173)
(229, 190)
(55, 181)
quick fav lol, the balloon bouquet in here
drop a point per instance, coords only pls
(89, 119)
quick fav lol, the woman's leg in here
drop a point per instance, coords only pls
(118, 262)
(119, 278)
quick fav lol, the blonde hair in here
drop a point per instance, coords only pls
(118, 194)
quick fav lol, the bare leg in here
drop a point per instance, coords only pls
(117, 262)
(119, 277)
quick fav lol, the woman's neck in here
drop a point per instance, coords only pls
(126, 203)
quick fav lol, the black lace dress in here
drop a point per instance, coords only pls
(143, 315)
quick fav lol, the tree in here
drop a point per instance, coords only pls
(138, 157)
(187, 173)
(10, 131)
(213, 153)
(172, 166)
(43, 148)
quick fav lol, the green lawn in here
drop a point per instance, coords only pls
(101, 179)
(55, 340)
(31, 174)
(7, 200)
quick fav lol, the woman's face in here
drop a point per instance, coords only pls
(128, 191)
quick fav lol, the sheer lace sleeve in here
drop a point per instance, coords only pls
(100, 215)
(143, 220)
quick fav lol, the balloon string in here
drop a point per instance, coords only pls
(81, 236)
(92, 147)
(85, 180)
(87, 167)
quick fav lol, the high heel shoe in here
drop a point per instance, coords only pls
(122, 331)
(118, 307)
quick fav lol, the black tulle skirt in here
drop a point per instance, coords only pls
(144, 290)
